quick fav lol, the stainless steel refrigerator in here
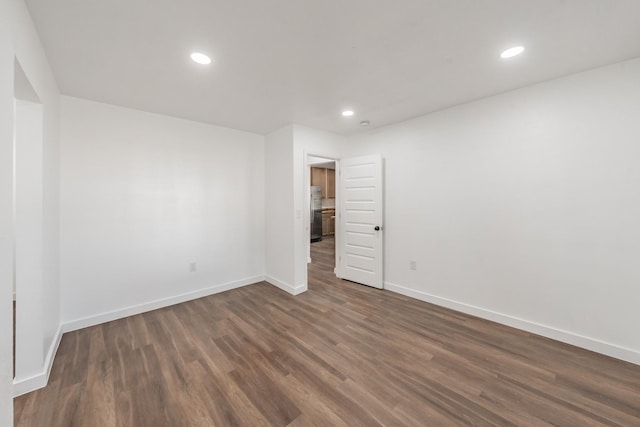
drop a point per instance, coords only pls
(316, 214)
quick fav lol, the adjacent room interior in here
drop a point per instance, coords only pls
(319, 213)
(322, 213)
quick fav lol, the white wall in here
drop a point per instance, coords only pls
(523, 208)
(30, 54)
(142, 197)
(280, 214)
(6, 217)
(19, 41)
(29, 246)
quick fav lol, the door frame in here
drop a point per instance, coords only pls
(306, 216)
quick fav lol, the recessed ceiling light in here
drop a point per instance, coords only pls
(347, 113)
(511, 52)
(365, 123)
(200, 58)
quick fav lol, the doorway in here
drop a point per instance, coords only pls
(321, 241)
(357, 242)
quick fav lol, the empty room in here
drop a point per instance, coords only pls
(329, 213)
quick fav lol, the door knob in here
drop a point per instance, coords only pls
(377, 228)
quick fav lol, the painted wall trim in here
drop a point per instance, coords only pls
(27, 385)
(293, 290)
(85, 322)
(622, 353)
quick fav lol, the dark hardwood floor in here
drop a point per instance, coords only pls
(340, 354)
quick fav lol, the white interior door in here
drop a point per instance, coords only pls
(361, 220)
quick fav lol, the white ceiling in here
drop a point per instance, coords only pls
(281, 61)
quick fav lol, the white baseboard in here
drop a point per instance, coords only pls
(26, 385)
(592, 344)
(85, 322)
(293, 290)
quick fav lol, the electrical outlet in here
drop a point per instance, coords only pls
(193, 267)
(412, 265)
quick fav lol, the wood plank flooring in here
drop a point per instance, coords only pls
(340, 354)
